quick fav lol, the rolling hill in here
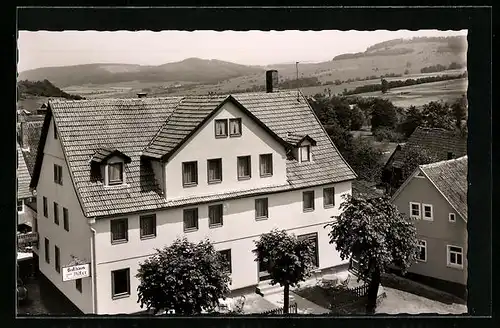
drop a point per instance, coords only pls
(190, 70)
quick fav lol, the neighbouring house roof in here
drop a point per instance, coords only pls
(156, 126)
(437, 141)
(23, 176)
(102, 154)
(31, 133)
(365, 189)
(450, 178)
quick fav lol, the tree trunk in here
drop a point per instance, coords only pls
(286, 298)
(371, 303)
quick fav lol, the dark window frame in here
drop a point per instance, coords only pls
(210, 211)
(312, 236)
(57, 259)
(249, 162)
(115, 295)
(214, 160)
(226, 126)
(58, 179)
(47, 250)
(45, 202)
(229, 264)
(118, 221)
(308, 153)
(65, 219)
(196, 219)
(78, 285)
(304, 208)
(55, 131)
(266, 156)
(325, 191)
(121, 180)
(55, 207)
(141, 226)
(235, 135)
(420, 247)
(262, 217)
(190, 183)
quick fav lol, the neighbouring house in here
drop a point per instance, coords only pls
(118, 178)
(26, 200)
(28, 136)
(435, 195)
(443, 144)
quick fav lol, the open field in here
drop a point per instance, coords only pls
(421, 94)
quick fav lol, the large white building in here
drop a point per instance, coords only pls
(118, 178)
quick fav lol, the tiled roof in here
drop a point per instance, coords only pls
(23, 176)
(437, 141)
(131, 124)
(104, 153)
(31, 136)
(450, 178)
(365, 189)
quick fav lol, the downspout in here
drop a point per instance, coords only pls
(94, 278)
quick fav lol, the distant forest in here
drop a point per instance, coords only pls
(42, 89)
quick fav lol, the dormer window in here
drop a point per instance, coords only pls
(305, 153)
(108, 166)
(115, 173)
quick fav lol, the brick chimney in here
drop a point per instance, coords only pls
(142, 94)
(271, 80)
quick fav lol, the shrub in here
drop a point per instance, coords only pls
(386, 134)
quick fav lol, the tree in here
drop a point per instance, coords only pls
(357, 118)
(385, 85)
(376, 234)
(383, 113)
(412, 158)
(413, 119)
(459, 111)
(340, 136)
(437, 115)
(186, 277)
(288, 259)
(364, 159)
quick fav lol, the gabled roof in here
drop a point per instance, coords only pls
(437, 141)
(131, 124)
(450, 179)
(102, 154)
(31, 133)
(296, 139)
(191, 113)
(23, 176)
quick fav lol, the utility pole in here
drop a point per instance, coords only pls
(297, 81)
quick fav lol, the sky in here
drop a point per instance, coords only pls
(46, 49)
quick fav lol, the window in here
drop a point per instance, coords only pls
(427, 209)
(78, 284)
(261, 209)
(45, 207)
(115, 173)
(215, 215)
(120, 283)
(148, 226)
(47, 250)
(455, 256)
(58, 174)
(214, 170)
(65, 219)
(189, 173)
(220, 128)
(55, 131)
(422, 250)
(244, 167)
(328, 197)
(305, 153)
(56, 213)
(235, 127)
(190, 219)
(57, 262)
(20, 206)
(119, 231)
(266, 165)
(226, 258)
(415, 210)
(308, 201)
(451, 217)
(313, 240)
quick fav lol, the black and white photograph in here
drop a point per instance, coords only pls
(231, 172)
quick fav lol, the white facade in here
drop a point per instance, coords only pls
(238, 232)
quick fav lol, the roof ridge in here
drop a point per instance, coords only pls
(424, 166)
